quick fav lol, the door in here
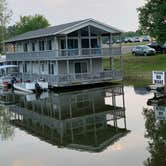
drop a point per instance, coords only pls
(80, 70)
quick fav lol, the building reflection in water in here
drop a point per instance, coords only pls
(79, 120)
(156, 131)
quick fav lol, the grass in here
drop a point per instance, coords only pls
(138, 69)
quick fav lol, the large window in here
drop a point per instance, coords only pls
(24, 68)
(42, 67)
(85, 43)
(33, 46)
(51, 68)
(25, 47)
(81, 67)
(63, 43)
(41, 45)
(49, 44)
(72, 43)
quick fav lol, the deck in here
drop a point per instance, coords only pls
(63, 54)
(63, 80)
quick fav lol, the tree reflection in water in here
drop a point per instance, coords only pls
(6, 130)
(156, 132)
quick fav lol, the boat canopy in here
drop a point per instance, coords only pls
(7, 66)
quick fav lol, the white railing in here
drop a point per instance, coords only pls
(63, 54)
(69, 79)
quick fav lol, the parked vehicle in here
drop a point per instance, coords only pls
(128, 40)
(143, 50)
(159, 48)
(136, 39)
(146, 39)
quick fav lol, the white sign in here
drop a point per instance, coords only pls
(158, 77)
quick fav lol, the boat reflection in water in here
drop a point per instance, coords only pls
(78, 120)
(156, 131)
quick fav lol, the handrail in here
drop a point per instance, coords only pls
(71, 52)
(69, 78)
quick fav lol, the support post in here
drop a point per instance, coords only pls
(66, 38)
(89, 36)
(91, 65)
(79, 42)
(68, 70)
(110, 43)
(56, 67)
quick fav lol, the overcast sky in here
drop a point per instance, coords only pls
(119, 13)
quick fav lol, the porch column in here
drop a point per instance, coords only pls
(112, 62)
(31, 67)
(91, 65)
(66, 38)
(39, 67)
(79, 42)
(89, 36)
(121, 62)
(68, 69)
(110, 43)
(56, 62)
(120, 44)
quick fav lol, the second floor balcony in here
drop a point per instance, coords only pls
(63, 54)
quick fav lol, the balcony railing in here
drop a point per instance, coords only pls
(63, 54)
(74, 79)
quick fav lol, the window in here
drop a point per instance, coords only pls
(33, 46)
(41, 45)
(85, 43)
(73, 34)
(63, 43)
(42, 67)
(49, 44)
(81, 67)
(72, 43)
(84, 31)
(51, 68)
(25, 47)
(24, 68)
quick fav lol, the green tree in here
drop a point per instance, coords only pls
(28, 23)
(155, 132)
(152, 19)
(5, 15)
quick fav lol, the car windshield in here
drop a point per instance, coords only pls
(145, 47)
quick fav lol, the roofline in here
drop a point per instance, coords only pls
(90, 19)
(68, 28)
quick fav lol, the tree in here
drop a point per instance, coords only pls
(152, 19)
(5, 16)
(28, 23)
(155, 132)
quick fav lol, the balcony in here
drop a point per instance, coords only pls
(63, 54)
(75, 79)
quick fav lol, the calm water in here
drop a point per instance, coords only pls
(94, 127)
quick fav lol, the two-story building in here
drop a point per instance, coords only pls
(68, 54)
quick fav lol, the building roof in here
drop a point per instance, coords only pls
(59, 29)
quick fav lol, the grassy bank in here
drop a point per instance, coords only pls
(138, 69)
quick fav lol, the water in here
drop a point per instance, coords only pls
(94, 127)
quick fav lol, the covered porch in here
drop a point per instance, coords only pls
(63, 80)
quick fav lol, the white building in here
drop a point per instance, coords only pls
(66, 55)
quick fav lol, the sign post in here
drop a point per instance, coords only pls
(159, 78)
